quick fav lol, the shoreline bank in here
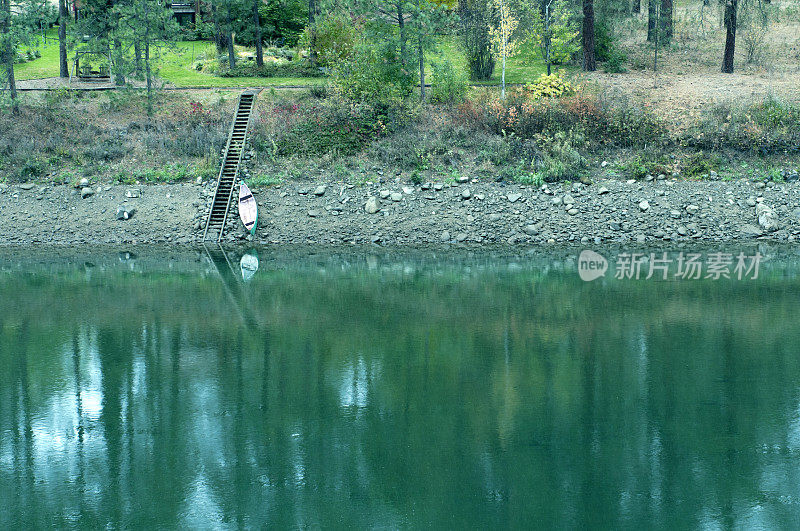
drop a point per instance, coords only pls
(393, 213)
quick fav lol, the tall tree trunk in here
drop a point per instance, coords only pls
(229, 38)
(257, 27)
(62, 38)
(8, 55)
(312, 17)
(730, 35)
(503, 75)
(666, 20)
(651, 20)
(137, 55)
(148, 74)
(421, 56)
(637, 7)
(219, 39)
(589, 60)
(119, 64)
(401, 24)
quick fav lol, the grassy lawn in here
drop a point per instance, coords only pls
(175, 66)
(524, 67)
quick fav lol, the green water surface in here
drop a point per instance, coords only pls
(366, 389)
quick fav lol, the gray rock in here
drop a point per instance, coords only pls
(683, 231)
(692, 209)
(125, 212)
(303, 191)
(675, 214)
(385, 194)
(396, 196)
(461, 236)
(572, 211)
(640, 238)
(557, 201)
(83, 183)
(132, 193)
(644, 206)
(766, 216)
(320, 190)
(466, 193)
(461, 179)
(494, 217)
(751, 230)
(26, 186)
(531, 230)
(568, 199)
(602, 190)
(408, 190)
(372, 205)
(445, 236)
(86, 192)
(438, 187)
(313, 213)
(751, 201)
(514, 197)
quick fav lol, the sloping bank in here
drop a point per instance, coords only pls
(394, 213)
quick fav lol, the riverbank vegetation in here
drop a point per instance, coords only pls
(525, 138)
(398, 93)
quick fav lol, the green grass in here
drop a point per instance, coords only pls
(524, 67)
(46, 65)
(175, 66)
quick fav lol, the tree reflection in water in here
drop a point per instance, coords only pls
(405, 392)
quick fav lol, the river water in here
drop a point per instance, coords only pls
(376, 389)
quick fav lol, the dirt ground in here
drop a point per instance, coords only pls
(689, 77)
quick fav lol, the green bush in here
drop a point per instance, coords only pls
(552, 86)
(650, 162)
(301, 68)
(449, 84)
(336, 38)
(332, 125)
(373, 75)
(615, 64)
(700, 164)
(560, 158)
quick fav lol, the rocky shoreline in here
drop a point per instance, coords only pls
(394, 213)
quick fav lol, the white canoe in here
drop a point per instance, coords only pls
(248, 210)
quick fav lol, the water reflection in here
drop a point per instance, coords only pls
(393, 392)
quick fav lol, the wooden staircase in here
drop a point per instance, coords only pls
(229, 170)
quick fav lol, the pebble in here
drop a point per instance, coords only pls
(466, 193)
(396, 196)
(644, 205)
(514, 197)
(320, 190)
(572, 211)
(603, 190)
(372, 205)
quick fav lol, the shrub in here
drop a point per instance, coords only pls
(700, 164)
(300, 68)
(648, 163)
(449, 84)
(767, 126)
(560, 157)
(615, 64)
(336, 38)
(552, 86)
(333, 125)
(373, 75)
